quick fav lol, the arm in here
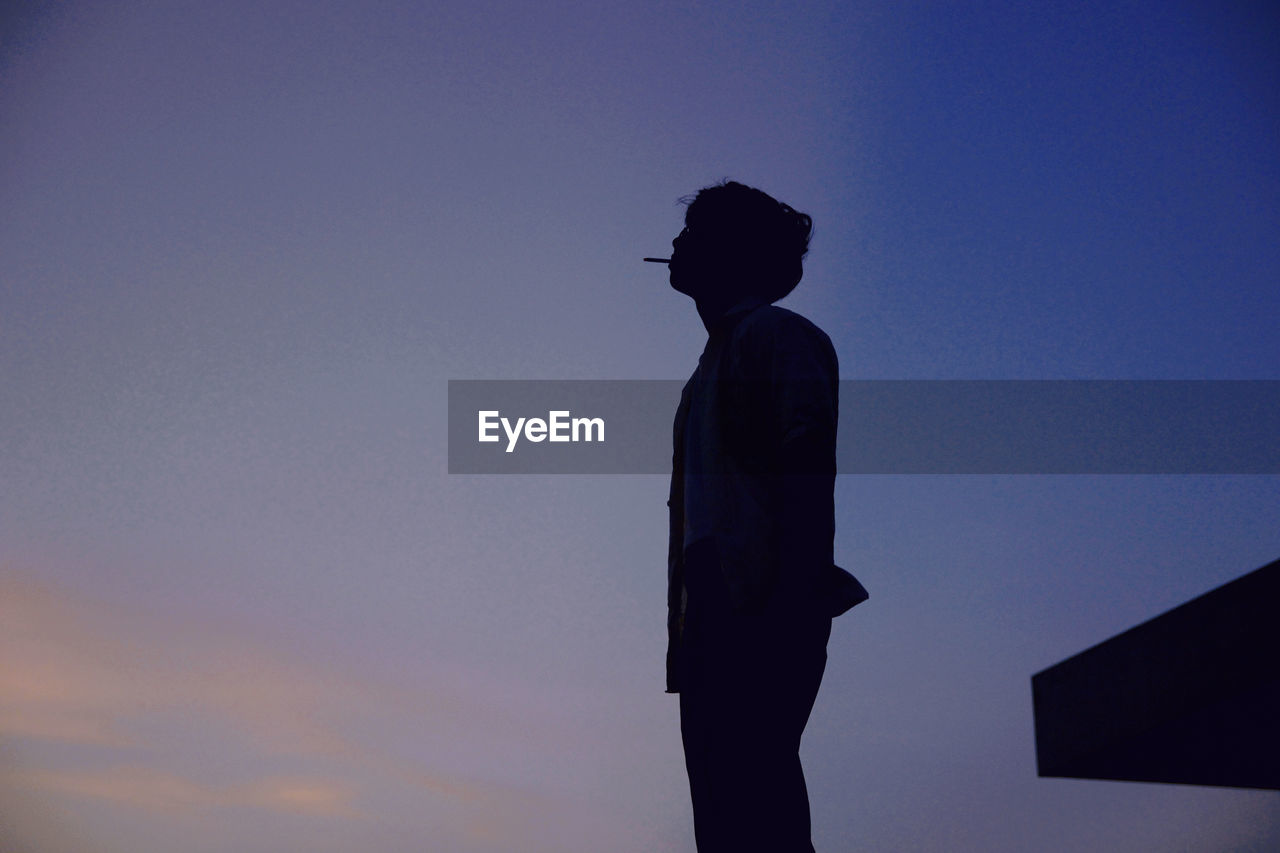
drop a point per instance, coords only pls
(806, 399)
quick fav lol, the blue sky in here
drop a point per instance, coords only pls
(244, 246)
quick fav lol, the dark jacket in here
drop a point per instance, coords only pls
(754, 464)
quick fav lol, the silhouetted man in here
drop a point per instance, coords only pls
(751, 583)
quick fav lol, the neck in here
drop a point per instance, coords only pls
(713, 311)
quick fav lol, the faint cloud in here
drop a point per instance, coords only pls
(75, 672)
(157, 714)
(153, 789)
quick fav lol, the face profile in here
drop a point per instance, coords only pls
(693, 265)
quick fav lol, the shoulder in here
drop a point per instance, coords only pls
(770, 328)
(771, 320)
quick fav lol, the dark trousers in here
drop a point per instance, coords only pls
(749, 680)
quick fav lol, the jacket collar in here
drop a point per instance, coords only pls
(734, 313)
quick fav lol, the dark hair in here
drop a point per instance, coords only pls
(765, 240)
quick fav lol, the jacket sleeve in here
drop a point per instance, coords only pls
(802, 374)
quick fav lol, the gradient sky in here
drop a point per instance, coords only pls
(244, 245)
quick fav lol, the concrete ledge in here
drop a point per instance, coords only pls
(1191, 696)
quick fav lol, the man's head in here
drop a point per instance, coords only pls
(739, 242)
